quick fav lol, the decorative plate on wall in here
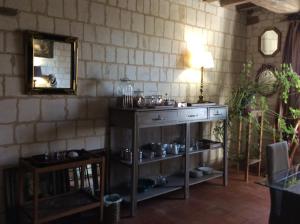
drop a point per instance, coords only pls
(267, 80)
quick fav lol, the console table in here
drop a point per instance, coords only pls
(137, 119)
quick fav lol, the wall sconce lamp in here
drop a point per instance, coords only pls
(206, 61)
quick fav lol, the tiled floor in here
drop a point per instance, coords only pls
(209, 203)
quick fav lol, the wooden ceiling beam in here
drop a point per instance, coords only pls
(279, 6)
(210, 0)
(246, 7)
(252, 20)
(233, 2)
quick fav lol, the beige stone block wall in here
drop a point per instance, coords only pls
(141, 39)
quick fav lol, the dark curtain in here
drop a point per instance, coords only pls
(291, 55)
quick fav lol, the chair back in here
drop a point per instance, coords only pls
(277, 158)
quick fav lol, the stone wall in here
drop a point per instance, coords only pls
(266, 19)
(144, 40)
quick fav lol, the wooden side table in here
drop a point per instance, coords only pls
(79, 198)
(138, 120)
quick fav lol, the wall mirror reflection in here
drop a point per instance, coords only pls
(269, 42)
(51, 62)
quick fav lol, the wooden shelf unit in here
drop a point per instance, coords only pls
(78, 199)
(138, 119)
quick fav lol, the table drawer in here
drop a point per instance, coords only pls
(218, 113)
(157, 117)
(193, 114)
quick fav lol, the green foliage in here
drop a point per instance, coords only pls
(218, 131)
(295, 113)
(246, 97)
(285, 128)
(287, 80)
(291, 181)
(244, 94)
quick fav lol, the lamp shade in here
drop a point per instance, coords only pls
(207, 60)
(201, 59)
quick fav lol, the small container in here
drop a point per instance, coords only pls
(182, 148)
(161, 181)
(174, 149)
(125, 93)
(73, 154)
(160, 150)
(158, 100)
(148, 154)
(169, 148)
(149, 101)
(141, 156)
(206, 170)
(126, 155)
(152, 155)
(129, 156)
(166, 100)
(165, 147)
(139, 99)
(196, 173)
(153, 146)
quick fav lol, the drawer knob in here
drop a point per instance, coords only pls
(217, 113)
(193, 115)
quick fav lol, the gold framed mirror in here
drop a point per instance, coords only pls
(51, 63)
(269, 42)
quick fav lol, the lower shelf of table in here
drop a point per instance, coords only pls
(192, 181)
(63, 205)
(175, 182)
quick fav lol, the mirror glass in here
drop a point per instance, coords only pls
(52, 63)
(269, 42)
(267, 80)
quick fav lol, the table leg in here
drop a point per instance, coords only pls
(35, 197)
